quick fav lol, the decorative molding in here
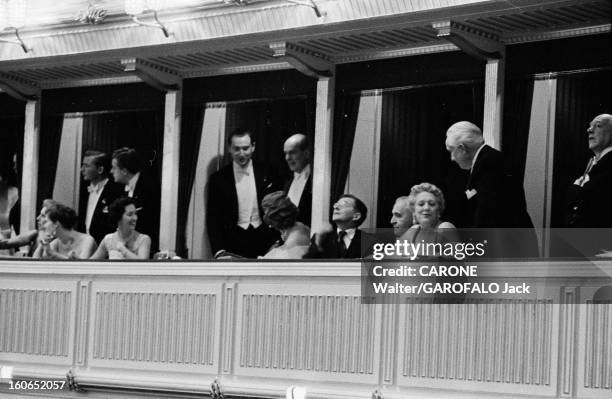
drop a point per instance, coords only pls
(331, 334)
(598, 346)
(154, 327)
(114, 80)
(558, 34)
(475, 42)
(507, 342)
(594, 270)
(215, 390)
(35, 322)
(72, 383)
(377, 394)
(159, 77)
(19, 88)
(568, 341)
(389, 321)
(312, 64)
(82, 323)
(228, 325)
(395, 53)
(233, 70)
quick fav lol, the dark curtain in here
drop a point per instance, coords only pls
(50, 139)
(272, 122)
(191, 134)
(141, 130)
(518, 97)
(413, 133)
(345, 122)
(11, 144)
(580, 97)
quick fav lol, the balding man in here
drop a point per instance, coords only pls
(299, 186)
(401, 216)
(590, 197)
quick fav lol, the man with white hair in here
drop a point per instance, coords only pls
(495, 198)
(590, 197)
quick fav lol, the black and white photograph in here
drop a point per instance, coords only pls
(306, 199)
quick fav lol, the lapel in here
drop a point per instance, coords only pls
(230, 188)
(353, 250)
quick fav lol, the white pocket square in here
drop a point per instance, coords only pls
(470, 193)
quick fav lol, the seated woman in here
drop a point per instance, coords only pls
(281, 214)
(9, 195)
(29, 238)
(427, 204)
(59, 239)
(126, 242)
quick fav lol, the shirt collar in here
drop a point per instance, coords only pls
(350, 233)
(604, 152)
(96, 188)
(305, 172)
(476, 156)
(247, 170)
(132, 183)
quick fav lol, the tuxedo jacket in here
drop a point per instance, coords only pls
(147, 196)
(305, 204)
(496, 198)
(329, 248)
(591, 204)
(497, 203)
(222, 204)
(100, 225)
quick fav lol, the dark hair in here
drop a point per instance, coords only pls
(127, 159)
(99, 158)
(359, 207)
(239, 133)
(63, 214)
(279, 212)
(117, 209)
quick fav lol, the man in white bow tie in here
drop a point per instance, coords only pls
(234, 215)
(98, 192)
(590, 197)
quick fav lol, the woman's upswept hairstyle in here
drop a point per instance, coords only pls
(279, 212)
(426, 188)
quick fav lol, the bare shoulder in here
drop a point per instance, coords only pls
(446, 225)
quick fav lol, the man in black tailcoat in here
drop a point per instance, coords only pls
(234, 215)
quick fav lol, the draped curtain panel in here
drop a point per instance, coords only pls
(191, 134)
(580, 97)
(345, 123)
(413, 133)
(518, 98)
(272, 122)
(50, 139)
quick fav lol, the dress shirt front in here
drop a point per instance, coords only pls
(298, 184)
(95, 190)
(129, 188)
(348, 237)
(248, 209)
